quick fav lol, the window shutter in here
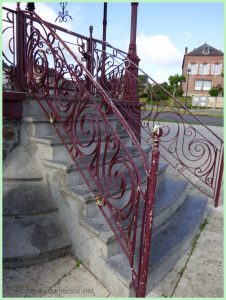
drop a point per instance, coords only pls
(196, 69)
(208, 69)
(200, 68)
(212, 69)
(220, 69)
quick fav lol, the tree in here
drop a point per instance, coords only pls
(143, 85)
(216, 90)
(159, 92)
(174, 81)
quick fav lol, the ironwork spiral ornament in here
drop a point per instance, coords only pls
(63, 15)
(80, 97)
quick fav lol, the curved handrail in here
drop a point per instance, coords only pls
(126, 58)
(79, 108)
(78, 103)
(186, 147)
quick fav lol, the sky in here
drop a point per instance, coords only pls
(163, 29)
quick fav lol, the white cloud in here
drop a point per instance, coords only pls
(159, 56)
(158, 50)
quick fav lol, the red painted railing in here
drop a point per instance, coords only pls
(194, 151)
(79, 87)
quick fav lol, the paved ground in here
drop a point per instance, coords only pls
(207, 120)
(202, 275)
(197, 274)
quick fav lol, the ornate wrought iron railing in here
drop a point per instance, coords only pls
(196, 152)
(79, 82)
(190, 146)
(79, 109)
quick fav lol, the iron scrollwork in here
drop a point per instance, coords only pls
(63, 15)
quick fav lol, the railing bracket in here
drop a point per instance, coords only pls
(99, 200)
(52, 118)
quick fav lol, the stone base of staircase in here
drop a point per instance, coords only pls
(32, 232)
(48, 211)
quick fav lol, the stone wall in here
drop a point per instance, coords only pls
(11, 135)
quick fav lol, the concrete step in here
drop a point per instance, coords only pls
(20, 167)
(33, 239)
(26, 200)
(51, 147)
(73, 176)
(165, 206)
(32, 108)
(81, 192)
(168, 245)
(38, 125)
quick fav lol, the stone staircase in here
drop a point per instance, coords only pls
(55, 213)
(32, 232)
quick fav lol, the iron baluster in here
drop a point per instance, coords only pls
(20, 49)
(149, 214)
(219, 179)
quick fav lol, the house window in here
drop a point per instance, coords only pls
(216, 69)
(202, 85)
(193, 68)
(204, 69)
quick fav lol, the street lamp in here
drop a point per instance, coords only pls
(188, 72)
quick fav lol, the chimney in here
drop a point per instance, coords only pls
(186, 50)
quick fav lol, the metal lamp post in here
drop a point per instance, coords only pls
(188, 73)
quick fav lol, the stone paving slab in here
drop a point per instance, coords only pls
(19, 285)
(200, 284)
(202, 277)
(58, 278)
(49, 273)
(78, 283)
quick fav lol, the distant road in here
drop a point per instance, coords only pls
(207, 120)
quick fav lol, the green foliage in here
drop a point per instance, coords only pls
(159, 92)
(78, 263)
(179, 92)
(214, 92)
(143, 85)
(176, 82)
(143, 78)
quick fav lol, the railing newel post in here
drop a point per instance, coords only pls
(219, 180)
(149, 214)
(89, 63)
(20, 49)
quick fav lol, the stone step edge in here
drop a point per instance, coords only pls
(44, 119)
(175, 249)
(108, 236)
(24, 215)
(87, 195)
(55, 140)
(68, 166)
(42, 257)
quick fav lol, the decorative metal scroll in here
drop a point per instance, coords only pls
(196, 152)
(82, 89)
(8, 51)
(79, 109)
(63, 15)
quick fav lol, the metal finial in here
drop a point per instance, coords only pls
(17, 6)
(63, 15)
(91, 30)
(30, 6)
(158, 131)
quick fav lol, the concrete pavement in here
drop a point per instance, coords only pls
(196, 274)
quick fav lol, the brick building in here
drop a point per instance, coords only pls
(203, 69)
